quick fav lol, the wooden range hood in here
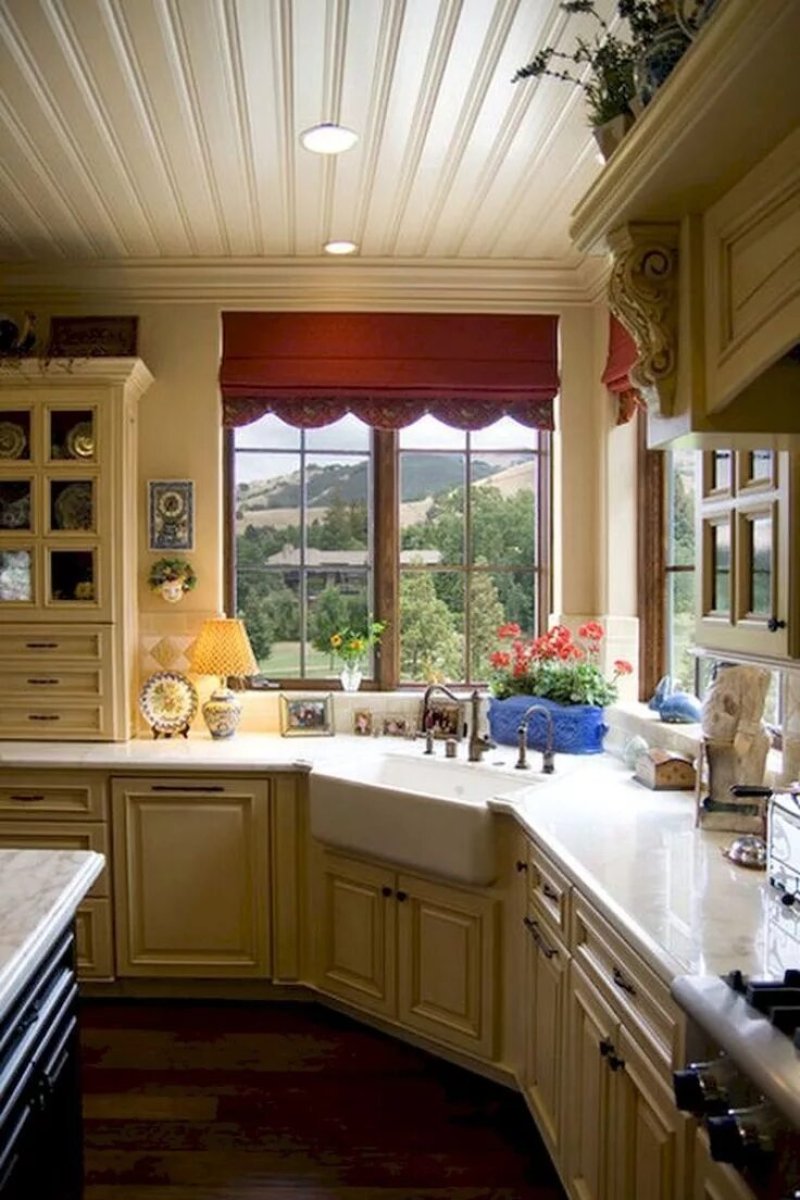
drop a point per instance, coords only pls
(699, 208)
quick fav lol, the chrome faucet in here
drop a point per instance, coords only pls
(426, 699)
(477, 743)
(548, 754)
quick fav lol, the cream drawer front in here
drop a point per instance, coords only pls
(549, 891)
(54, 721)
(46, 643)
(27, 682)
(94, 946)
(640, 997)
(35, 795)
(59, 837)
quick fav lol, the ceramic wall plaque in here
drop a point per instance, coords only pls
(171, 514)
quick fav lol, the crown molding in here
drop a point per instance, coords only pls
(312, 284)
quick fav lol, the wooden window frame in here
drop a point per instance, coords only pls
(387, 557)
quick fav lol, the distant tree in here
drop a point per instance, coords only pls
(430, 646)
(329, 615)
(486, 614)
(255, 613)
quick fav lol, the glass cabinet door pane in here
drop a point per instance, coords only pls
(16, 576)
(759, 564)
(15, 434)
(71, 504)
(721, 567)
(16, 508)
(721, 472)
(72, 576)
(758, 466)
(72, 434)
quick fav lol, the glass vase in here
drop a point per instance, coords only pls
(350, 677)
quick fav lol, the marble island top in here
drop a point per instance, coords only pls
(634, 852)
(39, 892)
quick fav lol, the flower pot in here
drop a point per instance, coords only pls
(577, 728)
(609, 135)
(658, 59)
(350, 677)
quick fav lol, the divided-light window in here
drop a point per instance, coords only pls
(454, 546)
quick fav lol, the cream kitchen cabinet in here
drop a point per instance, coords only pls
(749, 578)
(192, 876)
(66, 810)
(409, 949)
(68, 548)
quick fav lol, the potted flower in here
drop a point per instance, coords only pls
(613, 86)
(172, 577)
(561, 672)
(351, 647)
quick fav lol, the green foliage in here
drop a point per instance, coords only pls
(167, 570)
(430, 647)
(329, 615)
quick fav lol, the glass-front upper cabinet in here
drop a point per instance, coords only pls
(53, 557)
(749, 580)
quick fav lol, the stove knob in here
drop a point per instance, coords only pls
(702, 1089)
(743, 1136)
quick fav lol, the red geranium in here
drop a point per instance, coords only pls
(555, 665)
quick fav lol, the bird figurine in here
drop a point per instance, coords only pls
(14, 343)
(674, 707)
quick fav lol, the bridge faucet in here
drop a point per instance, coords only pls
(548, 754)
(426, 700)
(477, 743)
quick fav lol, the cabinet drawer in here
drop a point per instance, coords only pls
(635, 991)
(31, 684)
(53, 721)
(548, 891)
(55, 836)
(94, 947)
(35, 795)
(46, 643)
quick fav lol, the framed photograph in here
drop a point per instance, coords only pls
(362, 722)
(93, 337)
(306, 716)
(394, 726)
(170, 514)
(445, 718)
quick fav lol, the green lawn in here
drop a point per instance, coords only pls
(284, 662)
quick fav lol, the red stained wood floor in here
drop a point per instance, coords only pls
(207, 1101)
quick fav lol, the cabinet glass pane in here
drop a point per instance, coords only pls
(759, 465)
(71, 504)
(15, 434)
(721, 473)
(16, 575)
(15, 504)
(758, 534)
(721, 568)
(72, 434)
(72, 575)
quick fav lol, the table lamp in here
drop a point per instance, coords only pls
(223, 648)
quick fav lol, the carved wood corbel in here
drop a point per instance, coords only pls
(643, 290)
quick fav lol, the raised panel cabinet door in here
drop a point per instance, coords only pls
(446, 964)
(191, 861)
(94, 945)
(545, 1002)
(652, 1152)
(355, 933)
(589, 1144)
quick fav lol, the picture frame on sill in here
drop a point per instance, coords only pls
(362, 722)
(170, 514)
(395, 726)
(445, 719)
(306, 716)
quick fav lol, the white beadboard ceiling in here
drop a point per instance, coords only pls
(150, 131)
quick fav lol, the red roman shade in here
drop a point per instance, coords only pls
(389, 369)
(622, 357)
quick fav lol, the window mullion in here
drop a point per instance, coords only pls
(387, 555)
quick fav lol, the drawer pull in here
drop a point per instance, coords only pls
(622, 983)
(550, 892)
(26, 798)
(41, 645)
(521, 866)
(533, 929)
(615, 1062)
(44, 717)
(606, 1047)
(178, 787)
(44, 682)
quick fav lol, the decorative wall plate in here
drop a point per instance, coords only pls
(80, 440)
(73, 506)
(168, 702)
(12, 439)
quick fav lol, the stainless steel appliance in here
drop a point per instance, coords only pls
(744, 1080)
(783, 844)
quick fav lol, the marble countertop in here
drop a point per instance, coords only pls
(635, 852)
(39, 892)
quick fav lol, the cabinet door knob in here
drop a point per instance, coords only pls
(386, 890)
(401, 896)
(520, 865)
(773, 624)
(616, 1063)
(606, 1047)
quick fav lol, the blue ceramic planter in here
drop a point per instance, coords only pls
(577, 728)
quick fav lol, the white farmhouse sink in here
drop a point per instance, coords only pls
(430, 816)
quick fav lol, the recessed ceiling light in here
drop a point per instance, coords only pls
(328, 138)
(340, 247)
